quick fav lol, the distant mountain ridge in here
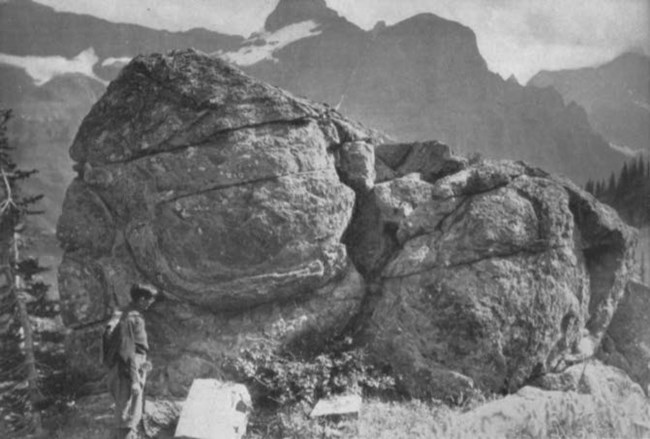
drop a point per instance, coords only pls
(424, 78)
(420, 79)
(29, 28)
(616, 96)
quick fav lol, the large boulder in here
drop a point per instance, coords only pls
(260, 216)
(487, 276)
(222, 192)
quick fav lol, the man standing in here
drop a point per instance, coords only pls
(128, 372)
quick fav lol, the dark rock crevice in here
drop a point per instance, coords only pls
(625, 344)
(240, 183)
(607, 246)
(172, 145)
(516, 253)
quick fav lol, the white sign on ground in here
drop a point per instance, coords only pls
(214, 410)
(337, 405)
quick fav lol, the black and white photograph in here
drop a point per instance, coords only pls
(324, 219)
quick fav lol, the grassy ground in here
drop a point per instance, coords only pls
(553, 415)
(416, 419)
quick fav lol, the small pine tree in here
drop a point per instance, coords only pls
(623, 181)
(599, 189)
(20, 292)
(640, 168)
(611, 187)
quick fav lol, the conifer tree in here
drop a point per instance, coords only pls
(630, 194)
(640, 167)
(611, 187)
(599, 189)
(18, 372)
(623, 180)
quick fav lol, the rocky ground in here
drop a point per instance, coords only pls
(588, 400)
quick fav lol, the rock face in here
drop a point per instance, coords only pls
(585, 394)
(486, 276)
(258, 214)
(615, 95)
(627, 344)
(220, 190)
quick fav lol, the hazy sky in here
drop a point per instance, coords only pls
(517, 37)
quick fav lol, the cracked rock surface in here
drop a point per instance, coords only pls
(260, 215)
(627, 342)
(486, 277)
(220, 190)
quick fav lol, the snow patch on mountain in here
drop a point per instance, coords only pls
(262, 45)
(625, 150)
(116, 61)
(43, 68)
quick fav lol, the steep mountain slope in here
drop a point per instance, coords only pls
(424, 78)
(320, 66)
(28, 28)
(616, 96)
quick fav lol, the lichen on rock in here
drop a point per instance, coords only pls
(484, 280)
(220, 190)
(262, 215)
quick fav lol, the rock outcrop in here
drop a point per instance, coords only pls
(627, 343)
(488, 275)
(258, 214)
(585, 394)
(220, 190)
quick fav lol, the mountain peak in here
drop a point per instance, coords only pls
(294, 11)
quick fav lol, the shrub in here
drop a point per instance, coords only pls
(287, 378)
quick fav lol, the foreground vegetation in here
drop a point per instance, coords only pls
(383, 419)
(416, 419)
(286, 387)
